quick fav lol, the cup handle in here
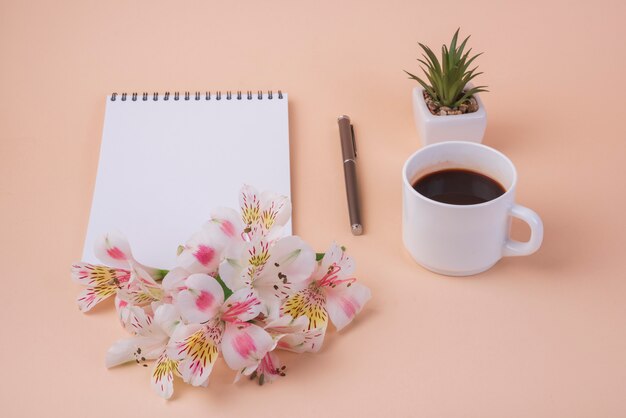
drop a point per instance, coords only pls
(517, 248)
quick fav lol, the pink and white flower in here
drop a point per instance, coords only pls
(275, 271)
(100, 282)
(216, 325)
(127, 279)
(151, 335)
(263, 214)
(332, 293)
(203, 252)
(270, 294)
(266, 370)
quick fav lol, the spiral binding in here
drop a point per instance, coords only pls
(195, 96)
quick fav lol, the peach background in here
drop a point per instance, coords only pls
(541, 336)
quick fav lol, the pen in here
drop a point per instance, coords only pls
(348, 151)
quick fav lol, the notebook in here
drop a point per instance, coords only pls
(167, 159)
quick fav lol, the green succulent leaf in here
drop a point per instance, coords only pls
(446, 79)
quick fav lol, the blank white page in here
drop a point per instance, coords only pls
(164, 164)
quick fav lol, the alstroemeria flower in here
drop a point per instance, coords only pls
(216, 325)
(100, 281)
(126, 278)
(263, 214)
(266, 370)
(113, 250)
(202, 253)
(275, 271)
(239, 288)
(303, 341)
(152, 333)
(331, 292)
(293, 334)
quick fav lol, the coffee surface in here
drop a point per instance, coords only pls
(458, 187)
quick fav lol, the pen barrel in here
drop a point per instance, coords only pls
(349, 169)
(348, 149)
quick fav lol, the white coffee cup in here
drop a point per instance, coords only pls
(461, 240)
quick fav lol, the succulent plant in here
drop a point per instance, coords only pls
(447, 79)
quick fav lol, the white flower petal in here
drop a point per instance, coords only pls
(286, 324)
(91, 296)
(196, 348)
(91, 275)
(339, 260)
(344, 302)
(201, 299)
(202, 253)
(288, 269)
(269, 368)
(249, 205)
(113, 250)
(162, 380)
(228, 221)
(120, 352)
(243, 305)
(309, 341)
(244, 345)
(174, 280)
(133, 349)
(310, 302)
(234, 268)
(275, 210)
(168, 318)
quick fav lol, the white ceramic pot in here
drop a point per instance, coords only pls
(432, 129)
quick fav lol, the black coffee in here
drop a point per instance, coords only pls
(458, 187)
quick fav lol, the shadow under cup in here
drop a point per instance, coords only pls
(461, 240)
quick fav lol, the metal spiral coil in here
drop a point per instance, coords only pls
(249, 95)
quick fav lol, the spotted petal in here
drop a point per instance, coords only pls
(309, 302)
(286, 324)
(250, 206)
(91, 296)
(307, 341)
(90, 275)
(290, 264)
(196, 348)
(245, 344)
(132, 317)
(101, 282)
(147, 344)
(275, 212)
(336, 259)
(263, 214)
(162, 381)
(243, 261)
(201, 299)
(141, 289)
(243, 305)
(267, 370)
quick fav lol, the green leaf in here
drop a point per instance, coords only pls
(319, 256)
(446, 79)
(454, 39)
(432, 57)
(159, 274)
(226, 289)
